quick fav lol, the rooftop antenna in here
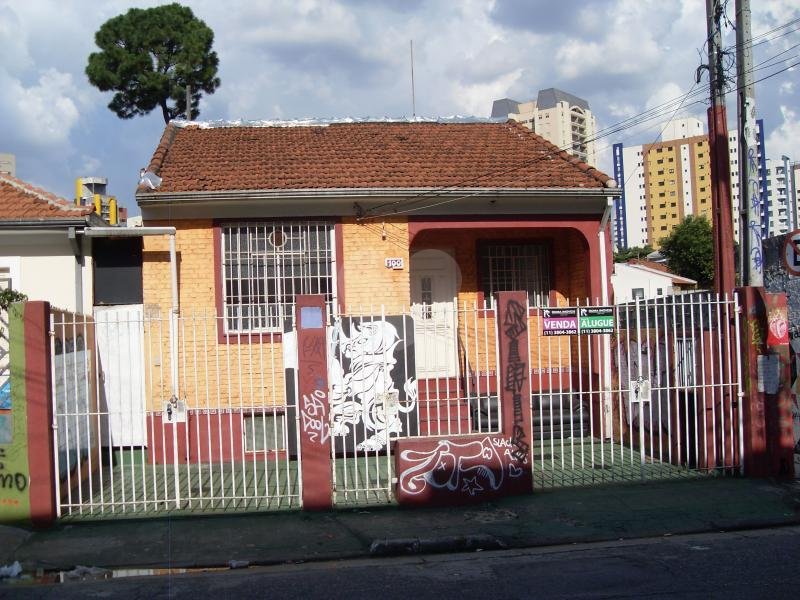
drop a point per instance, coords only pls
(413, 96)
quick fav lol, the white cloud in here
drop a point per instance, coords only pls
(42, 114)
(785, 139)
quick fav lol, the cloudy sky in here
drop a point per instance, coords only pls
(290, 59)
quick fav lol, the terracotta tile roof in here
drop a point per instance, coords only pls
(650, 264)
(20, 201)
(364, 155)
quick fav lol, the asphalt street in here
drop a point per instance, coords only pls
(746, 564)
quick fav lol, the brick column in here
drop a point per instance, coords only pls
(313, 407)
(766, 405)
(515, 389)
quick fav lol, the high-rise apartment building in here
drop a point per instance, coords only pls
(559, 117)
(665, 181)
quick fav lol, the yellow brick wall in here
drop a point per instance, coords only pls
(246, 372)
(217, 373)
(367, 281)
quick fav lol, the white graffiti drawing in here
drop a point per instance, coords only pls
(365, 392)
(468, 468)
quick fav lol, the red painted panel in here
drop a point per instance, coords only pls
(160, 441)
(460, 469)
(38, 383)
(312, 375)
(456, 470)
(215, 437)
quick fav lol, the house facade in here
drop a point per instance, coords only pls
(390, 218)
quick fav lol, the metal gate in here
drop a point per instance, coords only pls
(157, 413)
(655, 394)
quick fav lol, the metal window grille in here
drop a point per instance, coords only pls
(266, 265)
(516, 267)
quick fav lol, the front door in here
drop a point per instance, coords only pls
(434, 287)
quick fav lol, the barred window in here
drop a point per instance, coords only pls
(265, 265)
(516, 267)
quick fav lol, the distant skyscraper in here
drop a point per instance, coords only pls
(8, 164)
(559, 117)
(666, 181)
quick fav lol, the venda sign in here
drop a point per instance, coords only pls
(591, 320)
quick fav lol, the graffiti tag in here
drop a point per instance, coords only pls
(314, 417)
(516, 370)
(470, 467)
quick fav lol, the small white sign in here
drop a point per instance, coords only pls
(398, 264)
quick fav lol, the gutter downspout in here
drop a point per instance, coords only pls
(77, 251)
(608, 418)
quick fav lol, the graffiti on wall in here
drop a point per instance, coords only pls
(795, 379)
(470, 468)
(516, 324)
(372, 387)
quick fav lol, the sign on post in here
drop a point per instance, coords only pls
(791, 253)
(570, 320)
(596, 319)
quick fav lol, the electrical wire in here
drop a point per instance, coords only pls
(606, 132)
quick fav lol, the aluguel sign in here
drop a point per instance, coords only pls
(596, 320)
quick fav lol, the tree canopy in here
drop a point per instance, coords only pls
(633, 252)
(149, 56)
(689, 250)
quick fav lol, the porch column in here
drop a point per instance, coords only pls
(515, 388)
(313, 407)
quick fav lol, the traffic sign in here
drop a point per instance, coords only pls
(791, 253)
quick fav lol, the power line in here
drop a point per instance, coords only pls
(645, 116)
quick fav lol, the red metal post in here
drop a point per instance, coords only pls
(313, 406)
(724, 270)
(38, 395)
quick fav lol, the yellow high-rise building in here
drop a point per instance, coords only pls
(677, 180)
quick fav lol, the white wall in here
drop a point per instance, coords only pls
(635, 207)
(43, 266)
(627, 278)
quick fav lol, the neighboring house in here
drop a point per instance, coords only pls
(377, 217)
(42, 251)
(645, 279)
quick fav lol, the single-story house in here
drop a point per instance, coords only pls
(381, 218)
(42, 251)
(644, 279)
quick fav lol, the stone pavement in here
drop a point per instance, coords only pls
(561, 516)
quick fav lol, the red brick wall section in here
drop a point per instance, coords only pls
(474, 468)
(38, 386)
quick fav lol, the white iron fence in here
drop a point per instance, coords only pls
(155, 412)
(127, 443)
(658, 397)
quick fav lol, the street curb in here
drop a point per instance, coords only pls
(452, 543)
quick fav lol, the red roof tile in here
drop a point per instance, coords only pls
(20, 201)
(364, 155)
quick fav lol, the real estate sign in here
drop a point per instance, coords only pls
(570, 320)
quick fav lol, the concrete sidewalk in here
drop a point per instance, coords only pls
(545, 518)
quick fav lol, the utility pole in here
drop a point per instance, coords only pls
(724, 272)
(752, 263)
